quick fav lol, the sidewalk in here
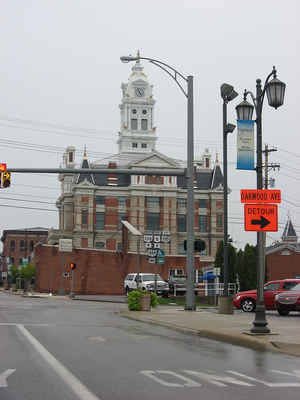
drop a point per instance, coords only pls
(234, 329)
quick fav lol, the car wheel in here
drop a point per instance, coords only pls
(165, 295)
(248, 305)
(283, 311)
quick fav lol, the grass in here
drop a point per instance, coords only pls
(180, 301)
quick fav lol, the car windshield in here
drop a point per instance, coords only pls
(151, 277)
(178, 279)
(296, 288)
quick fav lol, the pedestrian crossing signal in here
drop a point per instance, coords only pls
(72, 266)
(5, 179)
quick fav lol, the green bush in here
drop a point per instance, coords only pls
(134, 299)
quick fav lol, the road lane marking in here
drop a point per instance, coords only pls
(187, 381)
(214, 379)
(79, 389)
(4, 376)
(295, 373)
(269, 384)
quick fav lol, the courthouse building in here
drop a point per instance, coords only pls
(91, 206)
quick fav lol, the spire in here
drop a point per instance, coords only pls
(137, 66)
(84, 152)
(289, 233)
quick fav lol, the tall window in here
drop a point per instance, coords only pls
(180, 248)
(120, 217)
(202, 203)
(84, 217)
(134, 145)
(153, 221)
(144, 124)
(181, 223)
(181, 203)
(12, 245)
(31, 245)
(22, 245)
(100, 200)
(100, 245)
(202, 223)
(122, 201)
(134, 122)
(144, 145)
(99, 220)
(219, 221)
(153, 201)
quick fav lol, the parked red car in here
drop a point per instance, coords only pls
(288, 301)
(247, 300)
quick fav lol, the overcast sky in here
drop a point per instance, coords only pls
(60, 77)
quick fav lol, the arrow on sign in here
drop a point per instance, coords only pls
(263, 222)
(4, 376)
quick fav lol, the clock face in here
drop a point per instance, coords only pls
(139, 91)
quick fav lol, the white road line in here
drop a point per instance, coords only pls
(187, 382)
(4, 376)
(79, 389)
(269, 384)
(217, 380)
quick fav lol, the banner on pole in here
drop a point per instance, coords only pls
(245, 145)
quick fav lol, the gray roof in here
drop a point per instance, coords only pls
(289, 232)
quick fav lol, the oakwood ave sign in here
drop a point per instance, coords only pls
(258, 215)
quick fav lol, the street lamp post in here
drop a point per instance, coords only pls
(188, 92)
(275, 90)
(228, 94)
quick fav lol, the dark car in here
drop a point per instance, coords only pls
(288, 301)
(177, 285)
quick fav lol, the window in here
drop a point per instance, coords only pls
(119, 246)
(100, 200)
(153, 221)
(84, 217)
(12, 260)
(176, 272)
(20, 261)
(202, 223)
(122, 201)
(12, 245)
(272, 286)
(70, 157)
(99, 220)
(144, 145)
(181, 223)
(288, 285)
(144, 124)
(202, 203)
(100, 245)
(144, 112)
(181, 203)
(134, 145)
(180, 248)
(120, 217)
(153, 201)
(134, 111)
(219, 221)
(134, 124)
(31, 245)
(22, 245)
(129, 277)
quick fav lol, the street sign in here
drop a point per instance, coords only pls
(65, 245)
(260, 196)
(261, 217)
(152, 252)
(151, 260)
(160, 259)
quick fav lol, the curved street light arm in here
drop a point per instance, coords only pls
(246, 92)
(273, 73)
(165, 67)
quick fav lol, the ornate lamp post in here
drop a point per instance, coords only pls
(228, 94)
(275, 90)
(188, 93)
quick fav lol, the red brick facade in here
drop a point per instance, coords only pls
(97, 272)
(283, 264)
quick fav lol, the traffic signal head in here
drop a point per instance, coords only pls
(5, 179)
(199, 245)
(72, 266)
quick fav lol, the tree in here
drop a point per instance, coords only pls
(219, 262)
(247, 273)
(27, 272)
(14, 272)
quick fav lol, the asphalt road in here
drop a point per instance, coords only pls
(62, 349)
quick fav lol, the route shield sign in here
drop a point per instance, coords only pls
(261, 217)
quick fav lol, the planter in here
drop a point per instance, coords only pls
(146, 302)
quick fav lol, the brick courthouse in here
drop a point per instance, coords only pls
(91, 206)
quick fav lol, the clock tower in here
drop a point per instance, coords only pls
(137, 133)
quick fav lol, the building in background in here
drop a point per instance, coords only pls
(283, 257)
(91, 206)
(19, 244)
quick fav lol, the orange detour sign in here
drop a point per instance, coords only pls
(261, 217)
(260, 196)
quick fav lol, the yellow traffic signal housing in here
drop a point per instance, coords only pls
(6, 179)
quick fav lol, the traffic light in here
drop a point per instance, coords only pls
(199, 245)
(5, 179)
(72, 266)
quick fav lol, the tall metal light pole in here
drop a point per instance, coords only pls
(275, 90)
(228, 94)
(175, 75)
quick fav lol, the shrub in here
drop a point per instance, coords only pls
(154, 300)
(134, 299)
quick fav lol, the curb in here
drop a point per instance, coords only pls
(238, 339)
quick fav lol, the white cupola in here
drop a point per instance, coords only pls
(137, 132)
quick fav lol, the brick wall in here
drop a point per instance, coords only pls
(283, 266)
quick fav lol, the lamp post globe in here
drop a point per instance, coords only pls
(244, 110)
(275, 92)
